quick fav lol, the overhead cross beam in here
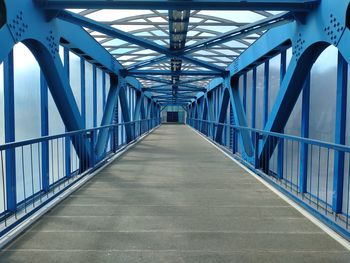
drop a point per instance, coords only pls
(173, 73)
(180, 89)
(238, 33)
(116, 33)
(292, 5)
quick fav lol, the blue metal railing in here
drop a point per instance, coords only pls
(40, 168)
(313, 173)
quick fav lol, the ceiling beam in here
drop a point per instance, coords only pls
(241, 32)
(172, 73)
(292, 5)
(130, 38)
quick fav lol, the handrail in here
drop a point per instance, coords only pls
(334, 146)
(66, 134)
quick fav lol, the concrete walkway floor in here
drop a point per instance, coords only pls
(174, 198)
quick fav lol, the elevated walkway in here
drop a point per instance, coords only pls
(174, 198)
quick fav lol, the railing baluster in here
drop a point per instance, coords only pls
(24, 181)
(318, 176)
(32, 174)
(3, 186)
(327, 177)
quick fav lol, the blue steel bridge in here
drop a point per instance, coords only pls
(174, 131)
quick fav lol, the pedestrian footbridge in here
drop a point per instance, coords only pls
(207, 131)
(174, 197)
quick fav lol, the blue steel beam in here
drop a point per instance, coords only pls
(253, 119)
(155, 79)
(178, 27)
(44, 114)
(277, 40)
(188, 58)
(173, 73)
(82, 92)
(280, 155)
(138, 105)
(111, 31)
(266, 92)
(108, 115)
(9, 121)
(73, 36)
(171, 97)
(130, 38)
(125, 111)
(170, 91)
(137, 86)
(309, 40)
(340, 134)
(293, 5)
(305, 123)
(180, 88)
(43, 38)
(67, 140)
(240, 32)
(148, 62)
(193, 80)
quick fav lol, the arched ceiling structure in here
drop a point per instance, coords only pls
(174, 79)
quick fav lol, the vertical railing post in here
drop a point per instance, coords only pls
(280, 149)
(44, 132)
(256, 153)
(340, 133)
(139, 127)
(254, 99)
(114, 148)
(213, 131)
(234, 143)
(304, 149)
(266, 92)
(82, 91)
(67, 139)
(244, 92)
(9, 110)
(92, 149)
(134, 133)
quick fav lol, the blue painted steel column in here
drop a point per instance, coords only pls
(94, 95)
(254, 98)
(340, 132)
(280, 154)
(304, 150)
(245, 92)
(67, 139)
(9, 107)
(44, 132)
(266, 92)
(103, 90)
(94, 117)
(107, 119)
(82, 91)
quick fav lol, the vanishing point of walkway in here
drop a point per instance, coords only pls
(174, 198)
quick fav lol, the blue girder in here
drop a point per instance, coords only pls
(116, 33)
(294, 5)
